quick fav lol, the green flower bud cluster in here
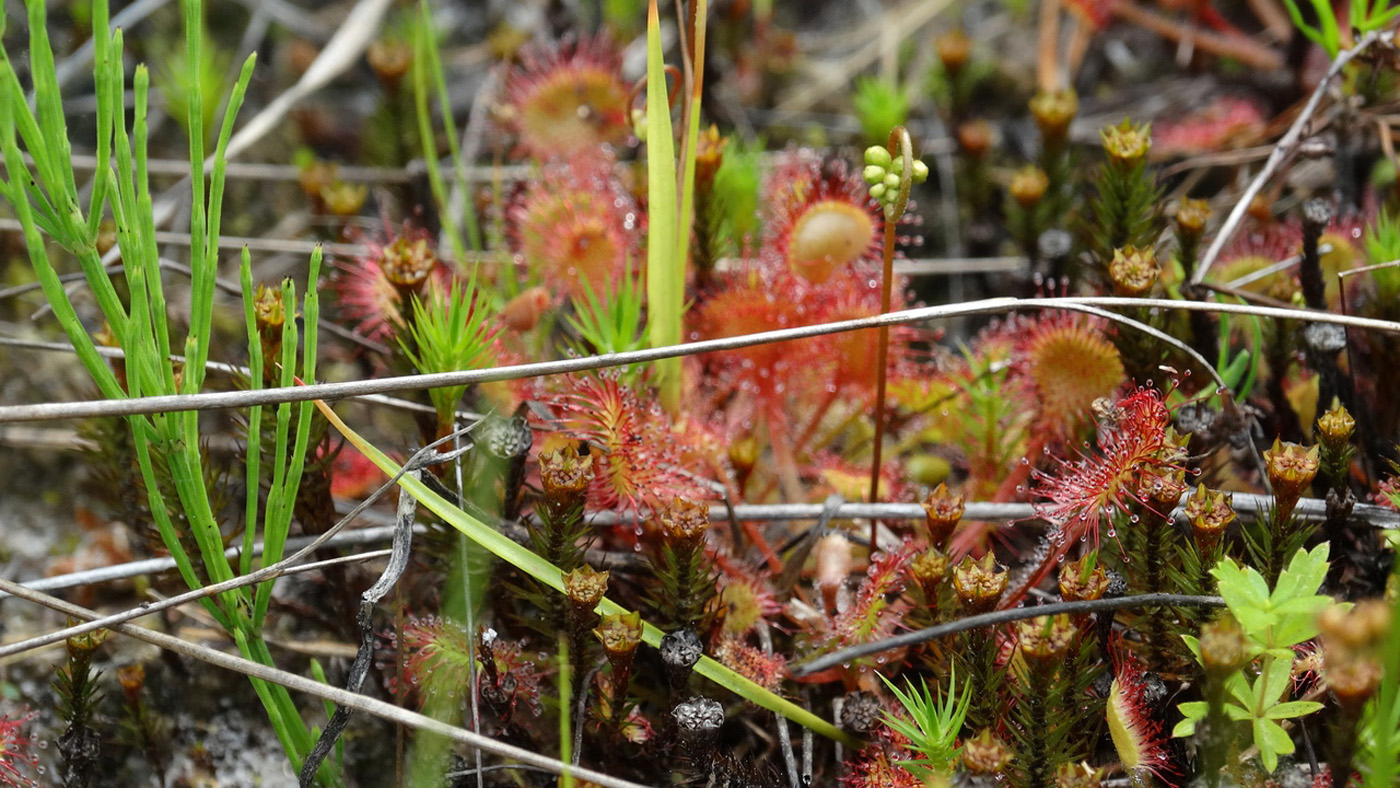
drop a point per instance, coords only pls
(885, 173)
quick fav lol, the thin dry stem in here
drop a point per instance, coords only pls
(359, 388)
(1282, 151)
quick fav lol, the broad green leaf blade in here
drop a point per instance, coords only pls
(1300, 624)
(1255, 621)
(1239, 688)
(1269, 689)
(1238, 713)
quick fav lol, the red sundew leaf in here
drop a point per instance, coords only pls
(1227, 122)
(1136, 732)
(1132, 439)
(639, 463)
(18, 763)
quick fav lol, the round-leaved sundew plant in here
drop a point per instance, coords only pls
(821, 220)
(567, 98)
(575, 226)
(1062, 362)
(1070, 363)
(371, 290)
(639, 462)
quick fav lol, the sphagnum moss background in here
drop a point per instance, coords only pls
(1104, 498)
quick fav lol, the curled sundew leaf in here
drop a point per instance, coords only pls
(550, 575)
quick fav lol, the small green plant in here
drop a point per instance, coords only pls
(880, 106)
(75, 681)
(1363, 17)
(177, 82)
(1272, 623)
(1240, 371)
(1125, 209)
(737, 185)
(449, 332)
(610, 321)
(1382, 242)
(933, 725)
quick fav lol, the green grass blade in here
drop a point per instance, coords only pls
(252, 475)
(198, 342)
(675, 307)
(424, 56)
(1327, 25)
(192, 13)
(106, 101)
(49, 282)
(665, 268)
(279, 526)
(147, 256)
(52, 199)
(142, 432)
(48, 102)
(277, 519)
(454, 149)
(550, 575)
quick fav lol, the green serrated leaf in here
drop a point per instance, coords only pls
(1241, 587)
(1296, 629)
(1303, 575)
(1239, 686)
(1194, 709)
(1194, 644)
(1254, 621)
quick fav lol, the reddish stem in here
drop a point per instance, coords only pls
(899, 143)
